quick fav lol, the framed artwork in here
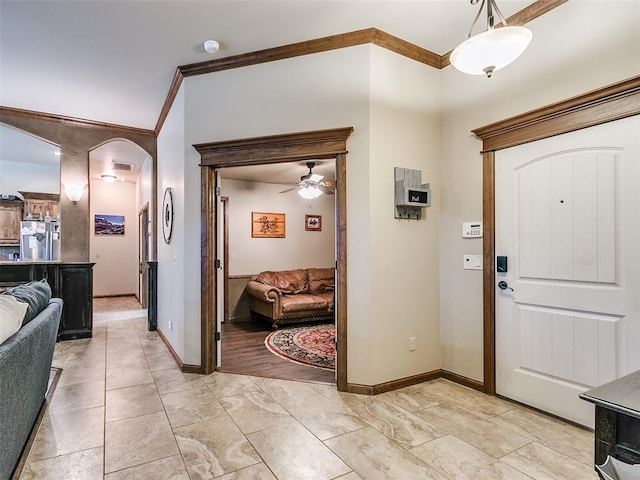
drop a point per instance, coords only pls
(108, 224)
(313, 223)
(267, 225)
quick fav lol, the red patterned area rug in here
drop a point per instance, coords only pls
(307, 345)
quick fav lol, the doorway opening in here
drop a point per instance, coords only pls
(120, 198)
(322, 144)
(249, 345)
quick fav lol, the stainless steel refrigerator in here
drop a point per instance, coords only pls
(39, 241)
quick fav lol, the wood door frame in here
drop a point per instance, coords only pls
(607, 104)
(264, 150)
(142, 212)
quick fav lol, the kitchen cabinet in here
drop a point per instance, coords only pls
(38, 204)
(10, 216)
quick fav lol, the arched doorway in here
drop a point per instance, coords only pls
(120, 186)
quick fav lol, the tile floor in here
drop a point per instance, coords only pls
(123, 410)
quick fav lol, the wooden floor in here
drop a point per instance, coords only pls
(243, 351)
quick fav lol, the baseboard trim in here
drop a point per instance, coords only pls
(414, 380)
(184, 367)
(114, 295)
(356, 387)
(466, 381)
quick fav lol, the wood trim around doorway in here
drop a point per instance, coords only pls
(292, 147)
(607, 104)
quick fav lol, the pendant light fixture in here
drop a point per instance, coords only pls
(492, 50)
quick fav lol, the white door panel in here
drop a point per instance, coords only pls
(567, 218)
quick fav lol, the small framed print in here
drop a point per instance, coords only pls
(313, 223)
(267, 225)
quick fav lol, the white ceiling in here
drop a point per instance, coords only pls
(101, 160)
(113, 61)
(280, 172)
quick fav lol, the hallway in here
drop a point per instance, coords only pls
(123, 410)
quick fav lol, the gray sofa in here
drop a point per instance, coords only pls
(25, 364)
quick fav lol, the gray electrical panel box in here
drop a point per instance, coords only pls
(411, 195)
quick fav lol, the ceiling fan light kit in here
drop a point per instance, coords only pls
(309, 192)
(311, 185)
(493, 49)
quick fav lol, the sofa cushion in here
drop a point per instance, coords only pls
(11, 314)
(302, 303)
(320, 280)
(289, 282)
(35, 294)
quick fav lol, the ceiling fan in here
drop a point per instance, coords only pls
(312, 184)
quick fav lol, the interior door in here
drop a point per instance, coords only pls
(220, 272)
(568, 310)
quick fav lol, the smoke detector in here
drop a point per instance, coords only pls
(211, 46)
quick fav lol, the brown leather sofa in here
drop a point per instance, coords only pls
(292, 296)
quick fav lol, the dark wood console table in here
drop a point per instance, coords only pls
(70, 281)
(617, 419)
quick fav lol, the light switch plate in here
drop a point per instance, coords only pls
(472, 262)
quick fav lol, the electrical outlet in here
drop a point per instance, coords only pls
(412, 344)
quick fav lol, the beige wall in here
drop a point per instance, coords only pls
(404, 261)
(115, 256)
(171, 280)
(299, 248)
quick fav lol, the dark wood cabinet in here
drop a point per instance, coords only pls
(70, 281)
(617, 419)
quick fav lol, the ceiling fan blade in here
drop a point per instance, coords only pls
(289, 189)
(326, 190)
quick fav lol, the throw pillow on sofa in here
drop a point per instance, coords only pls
(35, 294)
(11, 314)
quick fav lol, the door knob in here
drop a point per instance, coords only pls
(502, 285)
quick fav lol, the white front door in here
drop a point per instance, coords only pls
(567, 219)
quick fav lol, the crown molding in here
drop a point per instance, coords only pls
(78, 122)
(317, 45)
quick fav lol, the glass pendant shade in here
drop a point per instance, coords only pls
(490, 51)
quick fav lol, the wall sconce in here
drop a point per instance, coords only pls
(74, 191)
